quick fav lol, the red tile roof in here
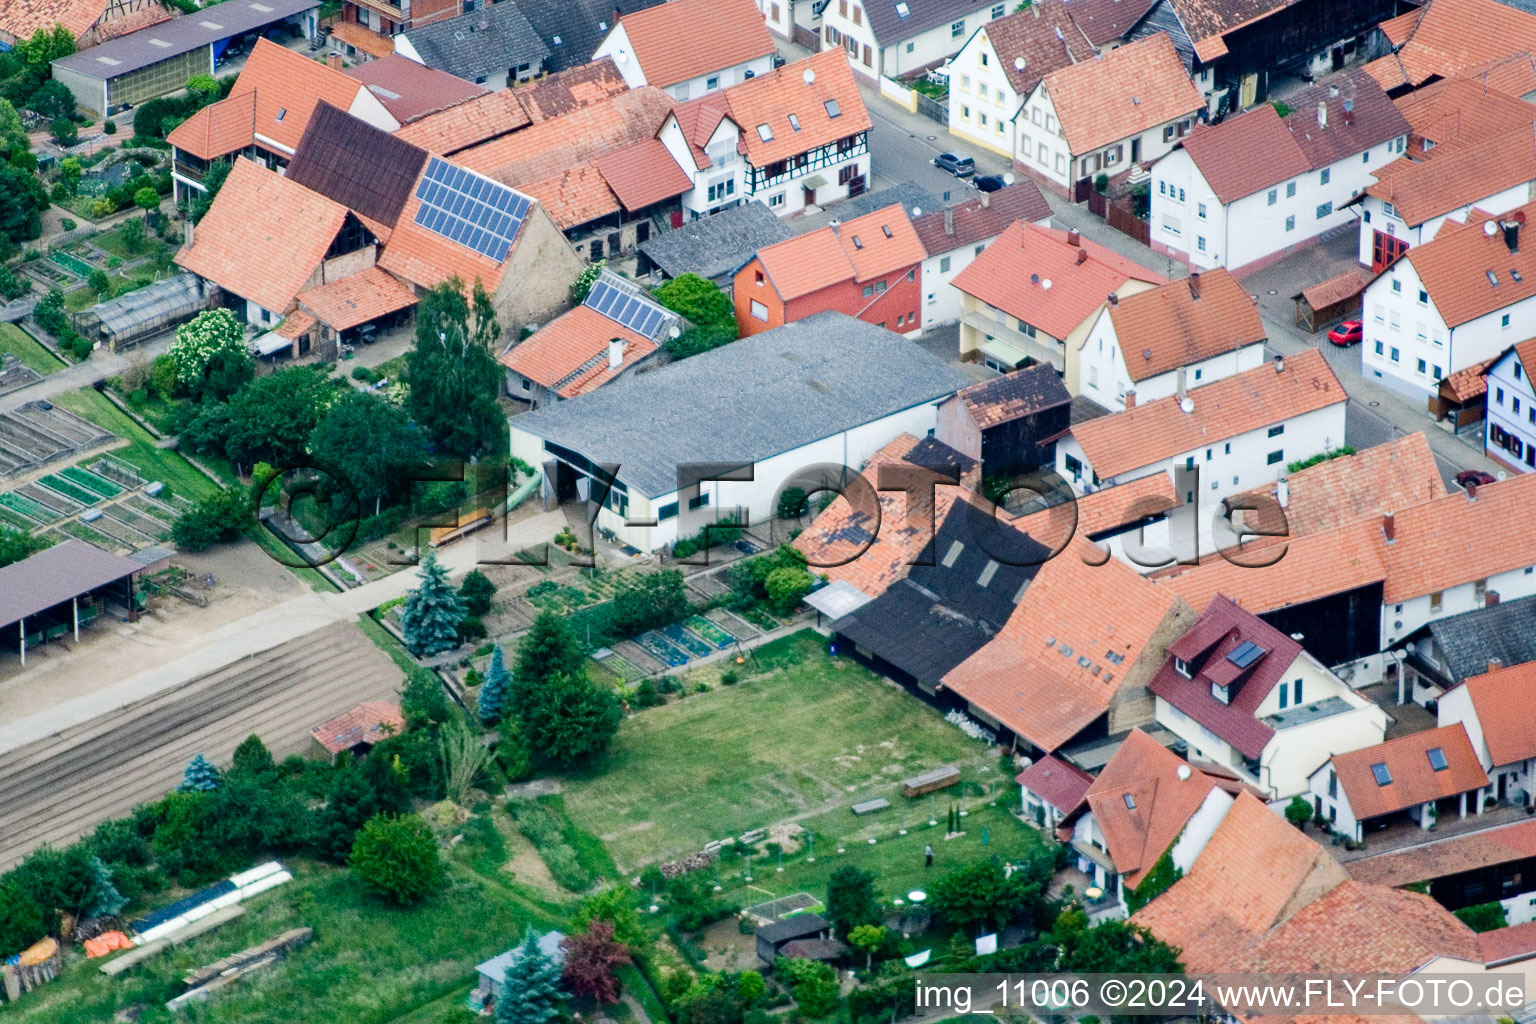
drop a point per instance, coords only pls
(1456, 174)
(571, 351)
(1106, 615)
(880, 243)
(1141, 802)
(1221, 629)
(1454, 267)
(1508, 945)
(642, 174)
(1122, 93)
(217, 129)
(1161, 429)
(981, 219)
(411, 91)
(467, 124)
(1465, 385)
(1505, 700)
(1485, 848)
(370, 722)
(1454, 35)
(1336, 289)
(1166, 327)
(1462, 109)
(868, 247)
(1413, 779)
(1014, 395)
(575, 87)
(1027, 45)
(806, 263)
(355, 300)
(1102, 510)
(1003, 277)
(683, 39)
(1223, 153)
(1256, 870)
(1207, 21)
(1062, 785)
(264, 236)
(803, 90)
(1357, 927)
(1444, 543)
(22, 18)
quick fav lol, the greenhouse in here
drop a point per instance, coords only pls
(154, 309)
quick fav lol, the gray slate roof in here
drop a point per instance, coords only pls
(117, 57)
(717, 245)
(1506, 631)
(571, 29)
(889, 27)
(746, 401)
(480, 43)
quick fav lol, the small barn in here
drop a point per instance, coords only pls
(772, 938)
(1006, 423)
(490, 975)
(357, 730)
(1329, 301)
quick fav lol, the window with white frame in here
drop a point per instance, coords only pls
(759, 311)
(957, 29)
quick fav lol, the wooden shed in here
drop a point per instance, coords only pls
(1330, 301)
(1463, 396)
(771, 938)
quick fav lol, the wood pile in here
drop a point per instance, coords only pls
(928, 782)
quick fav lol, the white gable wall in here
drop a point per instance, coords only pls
(1097, 369)
(1379, 216)
(979, 88)
(1512, 410)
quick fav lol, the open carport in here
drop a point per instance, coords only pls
(58, 590)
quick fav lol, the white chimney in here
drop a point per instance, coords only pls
(1322, 114)
(615, 353)
(1283, 492)
(949, 220)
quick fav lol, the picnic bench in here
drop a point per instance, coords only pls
(871, 806)
(929, 781)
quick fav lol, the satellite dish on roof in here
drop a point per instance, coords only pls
(1146, 353)
(1490, 228)
(1187, 404)
(1008, 178)
(809, 75)
(622, 56)
(675, 332)
(1046, 284)
(917, 211)
(1018, 63)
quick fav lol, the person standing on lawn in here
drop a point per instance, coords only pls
(928, 856)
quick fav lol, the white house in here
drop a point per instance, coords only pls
(1452, 303)
(1103, 116)
(1146, 802)
(1215, 440)
(690, 47)
(795, 20)
(1420, 777)
(1164, 341)
(707, 149)
(1509, 433)
(722, 433)
(1002, 62)
(1259, 185)
(1243, 695)
(1495, 709)
(954, 236)
(896, 38)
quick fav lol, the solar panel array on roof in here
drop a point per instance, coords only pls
(1246, 654)
(617, 305)
(469, 209)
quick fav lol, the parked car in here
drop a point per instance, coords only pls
(1347, 333)
(958, 164)
(1476, 477)
(990, 182)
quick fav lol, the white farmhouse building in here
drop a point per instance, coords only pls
(690, 47)
(1126, 107)
(1258, 185)
(1243, 695)
(1495, 709)
(896, 38)
(1422, 777)
(1161, 342)
(1452, 303)
(1509, 433)
(652, 447)
(954, 236)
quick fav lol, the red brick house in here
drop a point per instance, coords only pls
(869, 267)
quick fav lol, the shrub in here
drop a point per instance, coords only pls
(363, 374)
(218, 517)
(729, 679)
(787, 587)
(397, 859)
(791, 502)
(68, 223)
(1484, 917)
(109, 126)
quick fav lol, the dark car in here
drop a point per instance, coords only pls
(1347, 333)
(958, 164)
(1476, 477)
(990, 182)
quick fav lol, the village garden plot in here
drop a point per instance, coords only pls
(798, 745)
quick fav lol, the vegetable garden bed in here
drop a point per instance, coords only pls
(73, 492)
(654, 644)
(711, 633)
(90, 481)
(27, 507)
(686, 641)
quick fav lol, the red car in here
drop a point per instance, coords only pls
(1347, 333)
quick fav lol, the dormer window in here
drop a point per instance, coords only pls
(1220, 693)
(1182, 668)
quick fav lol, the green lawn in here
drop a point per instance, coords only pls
(155, 463)
(805, 742)
(368, 964)
(18, 342)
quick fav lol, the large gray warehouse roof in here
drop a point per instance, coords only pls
(180, 35)
(746, 401)
(55, 575)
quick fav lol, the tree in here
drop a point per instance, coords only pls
(792, 503)
(372, 443)
(64, 132)
(15, 545)
(549, 649)
(199, 339)
(200, 776)
(1298, 812)
(705, 307)
(1483, 917)
(616, 908)
(1117, 947)
(218, 172)
(431, 614)
(585, 280)
(751, 987)
(453, 372)
(252, 759)
(13, 137)
(530, 993)
(591, 958)
(396, 858)
(146, 199)
(787, 587)
(851, 899)
(496, 689)
(132, 234)
(650, 600)
(868, 937)
(216, 518)
(22, 919)
(476, 592)
(981, 894)
(813, 984)
(100, 283)
(106, 901)
(571, 720)
(23, 198)
(422, 702)
(52, 102)
(272, 418)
